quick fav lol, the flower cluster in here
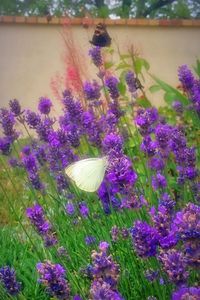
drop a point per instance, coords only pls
(131, 81)
(146, 120)
(30, 164)
(105, 274)
(190, 86)
(52, 276)
(44, 105)
(43, 227)
(175, 265)
(185, 293)
(15, 107)
(8, 279)
(95, 54)
(145, 239)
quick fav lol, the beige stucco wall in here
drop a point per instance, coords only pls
(30, 55)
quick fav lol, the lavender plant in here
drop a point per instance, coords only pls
(138, 236)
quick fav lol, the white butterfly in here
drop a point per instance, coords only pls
(88, 173)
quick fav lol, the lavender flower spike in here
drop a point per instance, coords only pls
(53, 277)
(8, 279)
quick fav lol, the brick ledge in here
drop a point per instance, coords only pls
(86, 22)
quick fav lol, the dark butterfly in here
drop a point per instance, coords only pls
(101, 37)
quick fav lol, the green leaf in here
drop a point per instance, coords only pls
(122, 65)
(122, 75)
(122, 88)
(144, 102)
(154, 88)
(197, 67)
(174, 94)
(139, 64)
(108, 65)
(170, 97)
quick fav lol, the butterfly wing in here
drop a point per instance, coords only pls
(88, 173)
(101, 37)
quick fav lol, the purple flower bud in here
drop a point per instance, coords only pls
(186, 77)
(131, 81)
(159, 181)
(95, 54)
(186, 293)
(15, 107)
(84, 210)
(92, 90)
(44, 105)
(52, 276)
(112, 83)
(70, 209)
(8, 279)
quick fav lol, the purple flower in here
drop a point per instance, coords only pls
(5, 145)
(77, 297)
(178, 107)
(30, 163)
(70, 209)
(112, 83)
(161, 219)
(103, 246)
(26, 150)
(89, 240)
(103, 266)
(95, 54)
(84, 210)
(177, 139)
(151, 275)
(104, 195)
(168, 241)
(112, 143)
(7, 121)
(32, 119)
(186, 77)
(92, 90)
(159, 181)
(174, 264)
(145, 239)
(156, 163)
(114, 108)
(148, 146)
(145, 119)
(8, 279)
(72, 107)
(186, 223)
(13, 162)
(35, 181)
(92, 128)
(43, 227)
(73, 135)
(131, 81)
(44, 105)
(62, 183)
(44, 128)
(195, 97)
(186, 293)
(52, 276)
(100, 290)
(115, 233)
(167, 201)
(162, 134)
(121, 173)
(40, 154)
(15, 107)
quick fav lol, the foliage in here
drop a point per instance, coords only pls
(137, 237)
(101, 8)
